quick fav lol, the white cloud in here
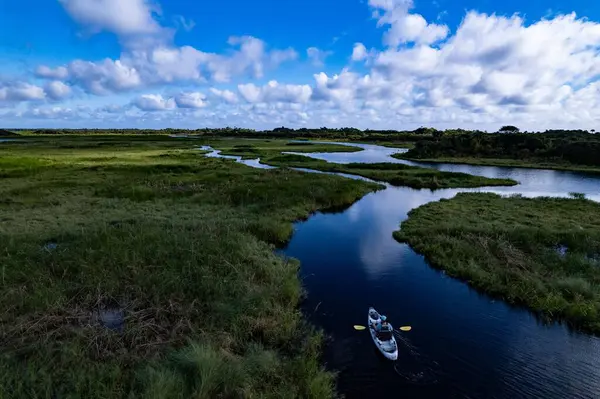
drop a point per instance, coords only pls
(252, 58)
(491, 69)
(104, 77)
(123, 17)
(317, 56)
(404, 26)
(111, 109)
(275, 92)
(57, 90)
(359, 52)
(49, 113)
(169, 64)
(226, 95)
(153, 102)
(59, 73)
(20, 91)
(164, 64)
(191, 100)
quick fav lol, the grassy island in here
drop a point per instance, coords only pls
(543, 253)
(393, 173)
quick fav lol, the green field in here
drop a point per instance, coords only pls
(543, 253)
(180, 244)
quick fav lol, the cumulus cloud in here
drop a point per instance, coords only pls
(49, 113)
(59, 73)
(405, 26)
(191, 100)
(275, 92)
(226, 95)
(111, 109)
(57, 90)
(20, 91)
(153, 102)
(359, 52)
(104, 77)
(251, 58)
(123, 17)
(164, 64)
(490, 69)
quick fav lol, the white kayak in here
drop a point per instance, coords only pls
(384, 340)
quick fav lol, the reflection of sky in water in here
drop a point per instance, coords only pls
(482, 348)
(255, 163)
(478, 347)
(533, 182)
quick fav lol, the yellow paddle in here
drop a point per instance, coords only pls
(403, 328)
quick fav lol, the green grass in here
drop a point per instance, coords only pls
(513, 163)
(395, 174)
(182, 244)
(252, 149)
(543, 253)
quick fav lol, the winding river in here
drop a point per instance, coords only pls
(463, 344)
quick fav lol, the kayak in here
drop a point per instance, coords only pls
(384, 340)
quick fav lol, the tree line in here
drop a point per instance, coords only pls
(573, 146)
(346, 133)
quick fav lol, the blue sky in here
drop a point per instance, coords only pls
(366, 63)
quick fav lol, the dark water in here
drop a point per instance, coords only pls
(463, 344)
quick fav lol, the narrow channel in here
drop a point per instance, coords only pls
(463, 344)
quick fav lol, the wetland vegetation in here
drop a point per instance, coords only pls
(393, 173)
(543, 252)
(134, 266)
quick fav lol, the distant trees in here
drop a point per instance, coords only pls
(509, 129)
(574, 146)
(6, 133)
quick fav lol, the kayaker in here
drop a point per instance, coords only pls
(382, 321)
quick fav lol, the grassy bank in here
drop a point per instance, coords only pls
(252, 149)
(543, 253)
(514, 163)
(171, 250)
(395, 174)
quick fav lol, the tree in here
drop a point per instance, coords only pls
(509, 129)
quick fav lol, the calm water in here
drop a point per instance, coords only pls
(463, 344)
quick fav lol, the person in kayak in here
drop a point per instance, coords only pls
(381, 322)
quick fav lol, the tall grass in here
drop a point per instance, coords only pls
(182, 245)
(536, 252)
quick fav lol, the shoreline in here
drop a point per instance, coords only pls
(509, 248)
(501, 162)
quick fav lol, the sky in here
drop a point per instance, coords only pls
(378, 64)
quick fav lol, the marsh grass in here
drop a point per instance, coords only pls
(255, 148)
(539, 252)
(181, 244)
(395, 174)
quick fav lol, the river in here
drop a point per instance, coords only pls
(463, 344)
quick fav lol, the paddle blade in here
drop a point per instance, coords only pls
(405, 328)
(360, 328)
